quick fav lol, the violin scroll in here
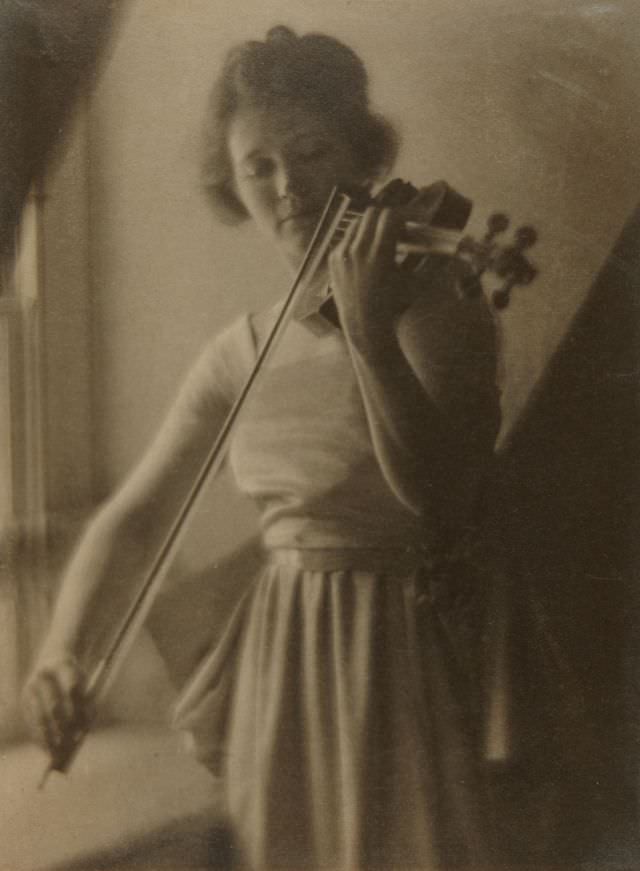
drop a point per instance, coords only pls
(509, 262)
(452, 210)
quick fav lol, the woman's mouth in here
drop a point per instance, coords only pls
(302, 217)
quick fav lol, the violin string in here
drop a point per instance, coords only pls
(429, 239)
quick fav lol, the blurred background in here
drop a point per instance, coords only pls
(122, 274)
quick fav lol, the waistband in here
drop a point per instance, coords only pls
(399, 561)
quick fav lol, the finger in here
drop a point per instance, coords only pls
(387, 230)
(339, 259)
(341, 249)
(366, 230)
(72, 685)
(43, 730)
(33, 714)
(52, 719)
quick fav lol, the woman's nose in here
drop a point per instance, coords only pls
(291, 181)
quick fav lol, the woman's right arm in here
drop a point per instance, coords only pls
(117, 549)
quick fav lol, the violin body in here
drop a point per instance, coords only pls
(453, 209)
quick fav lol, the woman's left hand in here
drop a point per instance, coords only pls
(369, 289)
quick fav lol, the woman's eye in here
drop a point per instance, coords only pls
(313, 152)
(259, 169)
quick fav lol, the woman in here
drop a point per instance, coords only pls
(339, 733)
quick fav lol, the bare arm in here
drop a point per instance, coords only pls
(113, 556)
(425, 360)
(124, 537)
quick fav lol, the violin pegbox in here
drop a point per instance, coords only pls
(508, 262)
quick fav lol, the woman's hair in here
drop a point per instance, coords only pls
(314, 70)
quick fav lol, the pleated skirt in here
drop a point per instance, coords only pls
(332, 712)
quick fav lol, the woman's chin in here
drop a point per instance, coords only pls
(294, 248)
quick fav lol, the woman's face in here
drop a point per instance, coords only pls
(285, 164)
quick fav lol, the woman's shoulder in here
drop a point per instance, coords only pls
(234, 349)
(221, 364)
(235, 343)
(262, 322)
(245, 332)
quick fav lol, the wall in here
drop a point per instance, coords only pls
(525, 107)
(65, 270)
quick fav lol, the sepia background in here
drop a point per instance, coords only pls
(528, 108)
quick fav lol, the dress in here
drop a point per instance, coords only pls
(335, 728)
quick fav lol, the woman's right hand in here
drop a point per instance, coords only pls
(54, 703)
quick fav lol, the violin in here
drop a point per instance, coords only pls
(440, 235)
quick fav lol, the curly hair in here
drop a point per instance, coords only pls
(314, 70)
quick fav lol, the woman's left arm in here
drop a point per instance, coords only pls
(425, 359)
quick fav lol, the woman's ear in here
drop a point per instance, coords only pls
(367, 184)
(364, 186)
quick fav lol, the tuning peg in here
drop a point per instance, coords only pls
(512, 265)
(509, 262)
(497, 223)
(525, 237)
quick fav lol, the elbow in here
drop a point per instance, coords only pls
(413, 499)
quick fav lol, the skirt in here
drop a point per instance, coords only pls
(335, 717)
